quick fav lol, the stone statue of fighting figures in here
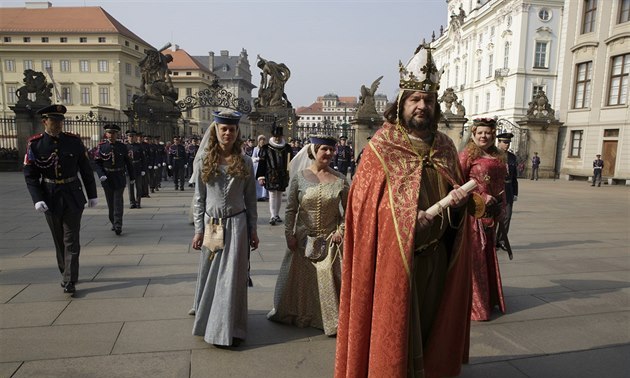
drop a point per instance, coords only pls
(273, 78)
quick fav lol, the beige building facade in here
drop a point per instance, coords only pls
(91, 58)
(594, 86)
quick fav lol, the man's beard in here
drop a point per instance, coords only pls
(426, 124)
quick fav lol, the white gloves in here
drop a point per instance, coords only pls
(156, 167)
(143, 173)
(102, 178)
(132, 182)
(150, 167)
(336, 168)
(515, 198)
(185, 165)
(163, 164)
(41, 207)
(256, 159)
(92, 202)
(170, 167)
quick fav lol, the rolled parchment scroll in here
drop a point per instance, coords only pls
(445, 202)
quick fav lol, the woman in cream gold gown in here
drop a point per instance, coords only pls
(307, 290)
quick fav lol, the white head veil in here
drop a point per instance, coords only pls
(300, 161)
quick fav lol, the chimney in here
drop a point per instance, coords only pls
(225, 53)
(175, 47)
(211, 60)
(38, 5)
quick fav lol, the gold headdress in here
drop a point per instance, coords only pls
(420, 73)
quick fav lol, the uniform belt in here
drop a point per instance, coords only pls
(60, 181)
(508, 181)
(177, 158)
(114, 169)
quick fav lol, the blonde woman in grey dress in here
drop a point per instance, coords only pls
(307, 290)
(225, 193)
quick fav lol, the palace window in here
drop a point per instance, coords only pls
(128, 68)
(478, 69)
(66, 95)
(82, 39)
(11, 97)
(502, 97)
(576, 143)
(7, 39)
(86, 96)
(27, 39)
(46, 63)
(584, 73)
(490, 65)
(588, 19)
(540, 56)
(618, 86)
(84, 65)
(28, 64)
(102, 39)
(44, 39)
(103, 66)
(103, 95)
(64, 65)
(9, 65)
(63, 39)
(506, 55)
(624, 11)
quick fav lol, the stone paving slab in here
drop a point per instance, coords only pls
(124, 309)
(39, 343)
(7, 292)
(609, 362)
(15, 315)
(88, 290)
(157, 336)
(147, 271)
(310, 359)
(165, 287)
(154, 365)
(41, 275)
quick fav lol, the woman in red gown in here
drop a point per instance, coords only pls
(483, 162)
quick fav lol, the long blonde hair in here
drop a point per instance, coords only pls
(212, 158)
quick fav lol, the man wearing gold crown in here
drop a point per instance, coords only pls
(406, 280)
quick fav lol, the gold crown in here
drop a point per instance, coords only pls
(420, 73)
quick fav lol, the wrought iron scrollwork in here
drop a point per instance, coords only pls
(215, 96)
(90, 117)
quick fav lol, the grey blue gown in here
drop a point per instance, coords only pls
(307, 290)
(221, 291)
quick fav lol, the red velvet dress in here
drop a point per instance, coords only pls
(489, 173)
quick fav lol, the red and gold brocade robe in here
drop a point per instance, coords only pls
(373, 333)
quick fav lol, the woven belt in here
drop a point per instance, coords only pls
(114, 169)
(215, 220)
(60, 181)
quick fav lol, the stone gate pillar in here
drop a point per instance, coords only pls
(543, 138)
(27, 123)
(454, 128)
(363, 128)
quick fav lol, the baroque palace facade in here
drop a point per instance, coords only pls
(94, 62)
(497, 55)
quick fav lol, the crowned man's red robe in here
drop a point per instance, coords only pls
(378, 283)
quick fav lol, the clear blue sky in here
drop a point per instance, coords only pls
(329, 45)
